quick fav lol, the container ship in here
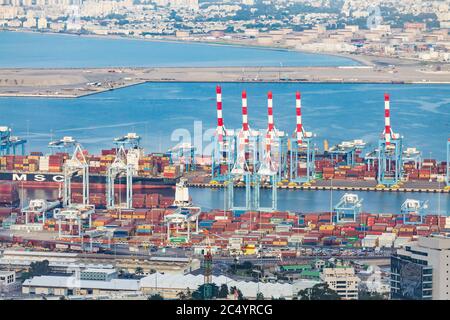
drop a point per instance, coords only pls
(35, 170)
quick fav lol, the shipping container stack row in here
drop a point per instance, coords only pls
(149, 165)
(430, 170)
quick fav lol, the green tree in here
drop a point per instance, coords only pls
(223, 291)
(320, 291)
(156, 296)
(365, 294)
(38, 268)
(200, 293)
(259, 296)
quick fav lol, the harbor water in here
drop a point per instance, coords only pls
(297, 200)
(159, 112)
(44, 50)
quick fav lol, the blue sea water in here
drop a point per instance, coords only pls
(319, 201)
(44, 50)
(159, 111)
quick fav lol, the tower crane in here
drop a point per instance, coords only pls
(207, 267)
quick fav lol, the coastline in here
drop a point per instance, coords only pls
(81, 82)
(75, 82)
(364, 60)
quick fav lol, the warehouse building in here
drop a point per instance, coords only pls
(66, 262)
(80, 284)
(420, 270)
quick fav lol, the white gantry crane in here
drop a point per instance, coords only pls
(77, 218)
(65, 144)
(119, 168)
(348, 208)
(39, 208)
(413, 211)
(75, 166)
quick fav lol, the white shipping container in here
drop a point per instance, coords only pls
(221, 218)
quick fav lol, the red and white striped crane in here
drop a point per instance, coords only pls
(388, 132)
(220, 130)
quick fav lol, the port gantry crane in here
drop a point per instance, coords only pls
(73, 167)
(183, 154)
(412, 155)
(277, 142)
(184, 215)
(65, 143)
(245, 167)
(117, 169)
(348, 150)
(79, 216)
(9, 142)
(238, 174)
(131, 139)
(348, 208)
(302, 151)
(413, 208)
(223, 153)
(38, 207)
(270, 171)
(390, 151)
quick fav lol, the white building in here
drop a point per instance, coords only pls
(73, 285)
(7, 281)
(342, 280)
(420, 270)
(169, 285)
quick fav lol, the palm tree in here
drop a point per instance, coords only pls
(188, 294)
(181, 295)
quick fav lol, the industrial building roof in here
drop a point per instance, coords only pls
(72, 282)
(39, 253)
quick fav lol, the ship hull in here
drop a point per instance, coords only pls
(47, 180)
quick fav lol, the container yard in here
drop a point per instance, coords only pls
(115, 198)
(228, 232)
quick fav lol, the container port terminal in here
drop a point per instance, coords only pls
(130, 209)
